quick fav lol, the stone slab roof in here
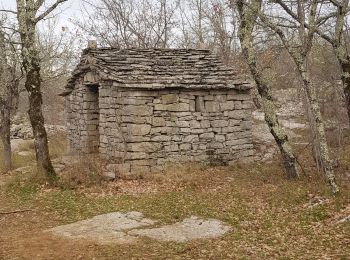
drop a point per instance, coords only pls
(158, 69)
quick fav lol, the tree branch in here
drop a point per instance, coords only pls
(49, 10)
(296, 18)
(8, 11)
(10, 28)
(336, 3)
(38, 4)
(15, 211)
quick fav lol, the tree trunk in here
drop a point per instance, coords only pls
(344, 63)
(313, 104)
(345, 66)
(27, 17)
(33, 84)
(281, 138)
(5, 106)
(31, 66)
(339, 45)
(247, 23)
(5, 137)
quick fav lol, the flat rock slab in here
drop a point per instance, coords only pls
(106, 228)
(189, 229)
(118, 227)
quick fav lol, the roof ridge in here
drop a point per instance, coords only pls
(188, 50)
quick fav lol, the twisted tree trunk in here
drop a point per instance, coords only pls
(339, 46)
(33, 86)
(5, 130)
(345, 77)
(6, 97)
(247, 23)
(27, 20)
(314, 106)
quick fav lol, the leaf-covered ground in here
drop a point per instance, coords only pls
(271, 217)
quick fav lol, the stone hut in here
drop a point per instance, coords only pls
(143, 108)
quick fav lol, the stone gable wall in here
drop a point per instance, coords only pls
(141, 130)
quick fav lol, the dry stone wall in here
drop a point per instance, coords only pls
(82, 112)
(141, 130)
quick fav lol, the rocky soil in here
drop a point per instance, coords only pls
(291, 115)
(21, 128)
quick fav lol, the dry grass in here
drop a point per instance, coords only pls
(269, 215)
(58, 145)
(18, 161)
(87, 171)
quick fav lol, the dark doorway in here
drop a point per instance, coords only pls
(92, 118)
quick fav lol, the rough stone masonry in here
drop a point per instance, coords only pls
(143, 108)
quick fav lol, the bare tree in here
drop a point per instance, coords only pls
(125, 24)
(194, 27)
(222, 23)
(28, 16)
(299, 49)
(248, 18)
(333, 32)
(210, 24)
(10, 79)
(339, 45)
(59, 50)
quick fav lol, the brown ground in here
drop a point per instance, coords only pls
(269, 215)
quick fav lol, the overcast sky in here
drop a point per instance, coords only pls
(67, 10)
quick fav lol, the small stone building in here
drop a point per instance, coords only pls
(143, 108)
